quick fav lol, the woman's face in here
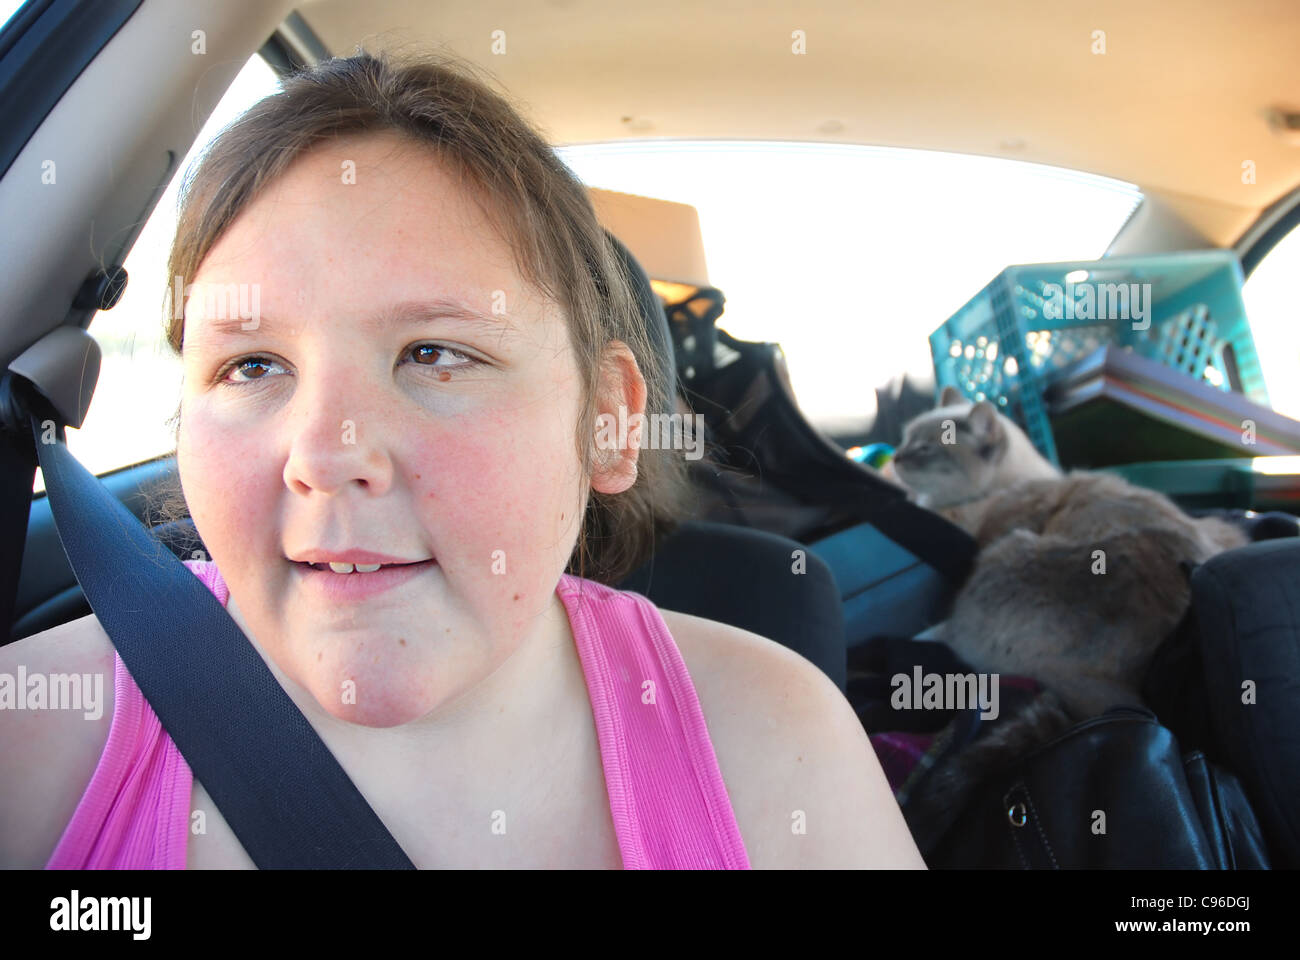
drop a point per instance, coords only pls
(402, 391)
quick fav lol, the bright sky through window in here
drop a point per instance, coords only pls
(851, 256)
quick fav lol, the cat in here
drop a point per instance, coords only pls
(954, 456)
(1078, 579)
(976, 467)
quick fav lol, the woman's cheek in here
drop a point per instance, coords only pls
(218, 469)
(502, 500)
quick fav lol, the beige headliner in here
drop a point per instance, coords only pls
(1177, 103)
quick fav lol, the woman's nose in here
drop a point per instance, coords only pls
(338, 436)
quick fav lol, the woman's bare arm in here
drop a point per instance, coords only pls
(47, 755)
(805, 784)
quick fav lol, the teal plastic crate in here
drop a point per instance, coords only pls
(1181, 309)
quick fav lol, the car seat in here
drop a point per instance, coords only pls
(1228, 681)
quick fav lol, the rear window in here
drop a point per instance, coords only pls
(850, 257)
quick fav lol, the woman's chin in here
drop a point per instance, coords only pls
(374, 693)
(372, 704)
(372, 715)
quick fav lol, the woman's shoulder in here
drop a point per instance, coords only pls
(804, 782)
(51, 754)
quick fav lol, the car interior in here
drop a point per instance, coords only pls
(1198, 110)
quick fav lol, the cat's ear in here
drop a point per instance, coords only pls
(983, 420)
(950, 395)
(990, 437)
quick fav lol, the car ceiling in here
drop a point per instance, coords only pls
(1179, 100)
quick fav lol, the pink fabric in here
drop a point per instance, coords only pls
(668, 802)
(135, 813)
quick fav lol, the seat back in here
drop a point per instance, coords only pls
(1229, 681)
(757, 581)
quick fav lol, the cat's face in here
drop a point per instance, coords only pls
(952, 453)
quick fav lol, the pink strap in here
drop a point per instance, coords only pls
(667, 798)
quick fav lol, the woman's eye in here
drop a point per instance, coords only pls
(433, 355)
(248, 364)
(437, 355)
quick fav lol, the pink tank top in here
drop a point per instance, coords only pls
(669, 805)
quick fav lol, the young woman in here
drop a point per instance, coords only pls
(437, 327)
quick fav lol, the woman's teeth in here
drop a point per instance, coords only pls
(349, 567)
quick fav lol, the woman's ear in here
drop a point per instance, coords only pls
(620, 416)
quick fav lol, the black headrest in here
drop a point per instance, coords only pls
(715, 570)
(652, 308)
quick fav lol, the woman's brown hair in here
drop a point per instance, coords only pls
(535, 202)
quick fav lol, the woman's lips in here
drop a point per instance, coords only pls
(355, 587)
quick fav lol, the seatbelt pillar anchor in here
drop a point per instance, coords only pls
(63, 367)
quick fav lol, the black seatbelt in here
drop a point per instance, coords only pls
(17, 476)
(283, 793)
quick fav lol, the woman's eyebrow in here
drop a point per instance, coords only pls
(405, 313)
(410, 312)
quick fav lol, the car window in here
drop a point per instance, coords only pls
(9, 9)
(850, 257)
(1274, 313)
(129, 420)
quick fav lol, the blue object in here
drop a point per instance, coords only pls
(878, 454)
(873, 455)
(1032, 320)
(886, 589)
